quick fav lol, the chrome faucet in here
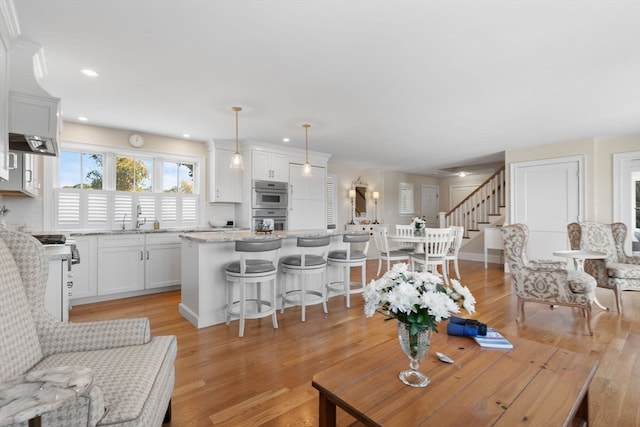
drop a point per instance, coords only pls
(139, 221)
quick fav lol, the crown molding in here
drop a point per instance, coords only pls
(9, 26)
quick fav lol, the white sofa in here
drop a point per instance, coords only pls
(133, 374)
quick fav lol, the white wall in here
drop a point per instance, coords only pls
(598, 154)
(385, 182)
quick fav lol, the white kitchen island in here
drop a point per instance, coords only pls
(204, 255)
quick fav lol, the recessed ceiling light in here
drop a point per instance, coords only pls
(285, 139)
(82, 119)
(185, 135)
(88, 72)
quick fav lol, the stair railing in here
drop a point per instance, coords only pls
(475, 209)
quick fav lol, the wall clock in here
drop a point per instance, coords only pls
(136, 140)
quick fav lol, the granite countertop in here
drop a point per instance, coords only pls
(153, 231)
(214, 237)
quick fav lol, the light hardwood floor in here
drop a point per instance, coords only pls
(265, 377)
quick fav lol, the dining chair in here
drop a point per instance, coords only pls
(436, 246)
(405, 230)
(457, 232)
(385, 252)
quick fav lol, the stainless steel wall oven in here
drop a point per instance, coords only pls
(269, 205)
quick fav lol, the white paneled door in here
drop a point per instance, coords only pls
(546, 195)
(430, 205)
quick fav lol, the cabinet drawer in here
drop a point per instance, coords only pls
(163, 238)
(121, 240)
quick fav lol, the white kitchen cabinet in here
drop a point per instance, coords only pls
(120, 263)
(85, 274)
(227, 185)
(22, 177)
(35, 115)
(267, 166)
(136, 262)
(162, 260)
(307, 206)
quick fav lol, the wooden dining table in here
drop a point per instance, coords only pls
(532, 384)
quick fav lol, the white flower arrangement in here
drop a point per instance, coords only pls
(417, 298)
(418, 223)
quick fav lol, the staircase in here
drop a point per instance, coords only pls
(480, 209)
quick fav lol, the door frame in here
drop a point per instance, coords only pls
(622, 209)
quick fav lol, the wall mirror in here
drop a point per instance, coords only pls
(360, 206)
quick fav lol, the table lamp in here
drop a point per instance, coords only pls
(376, 196)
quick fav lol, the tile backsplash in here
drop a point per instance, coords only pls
(28, 212)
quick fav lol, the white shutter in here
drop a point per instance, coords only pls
(148, 207)
(406, 199)
(331, 202)
(168, 209)
(122, 208)
(189, 210)
(97, 208)
(68, 208)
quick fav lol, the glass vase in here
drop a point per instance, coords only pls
(415, 346)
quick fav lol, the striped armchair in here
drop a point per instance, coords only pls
(133, 374)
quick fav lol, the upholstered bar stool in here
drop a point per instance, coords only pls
(305, 265)
(345, 260)
(258, 264)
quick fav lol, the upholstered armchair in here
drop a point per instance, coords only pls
(132, 375)
(618, 271)
(546, 282)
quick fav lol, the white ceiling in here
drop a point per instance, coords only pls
(400, 85)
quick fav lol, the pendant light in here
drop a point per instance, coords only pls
(306, 168)
(236, 159)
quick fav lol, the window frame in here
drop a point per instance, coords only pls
(194, 201)
(409, 209)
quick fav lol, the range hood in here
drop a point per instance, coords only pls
(34, 115)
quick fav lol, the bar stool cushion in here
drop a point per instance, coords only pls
(310, 260)
(253, 266)
(342, 254)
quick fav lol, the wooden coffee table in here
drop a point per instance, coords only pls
(533, 384)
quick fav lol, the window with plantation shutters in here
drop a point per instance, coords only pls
(331, 202)
(406, 199)
(103, 190)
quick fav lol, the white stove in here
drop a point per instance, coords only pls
(62, 254)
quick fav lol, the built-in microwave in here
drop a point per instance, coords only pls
(269, 195)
